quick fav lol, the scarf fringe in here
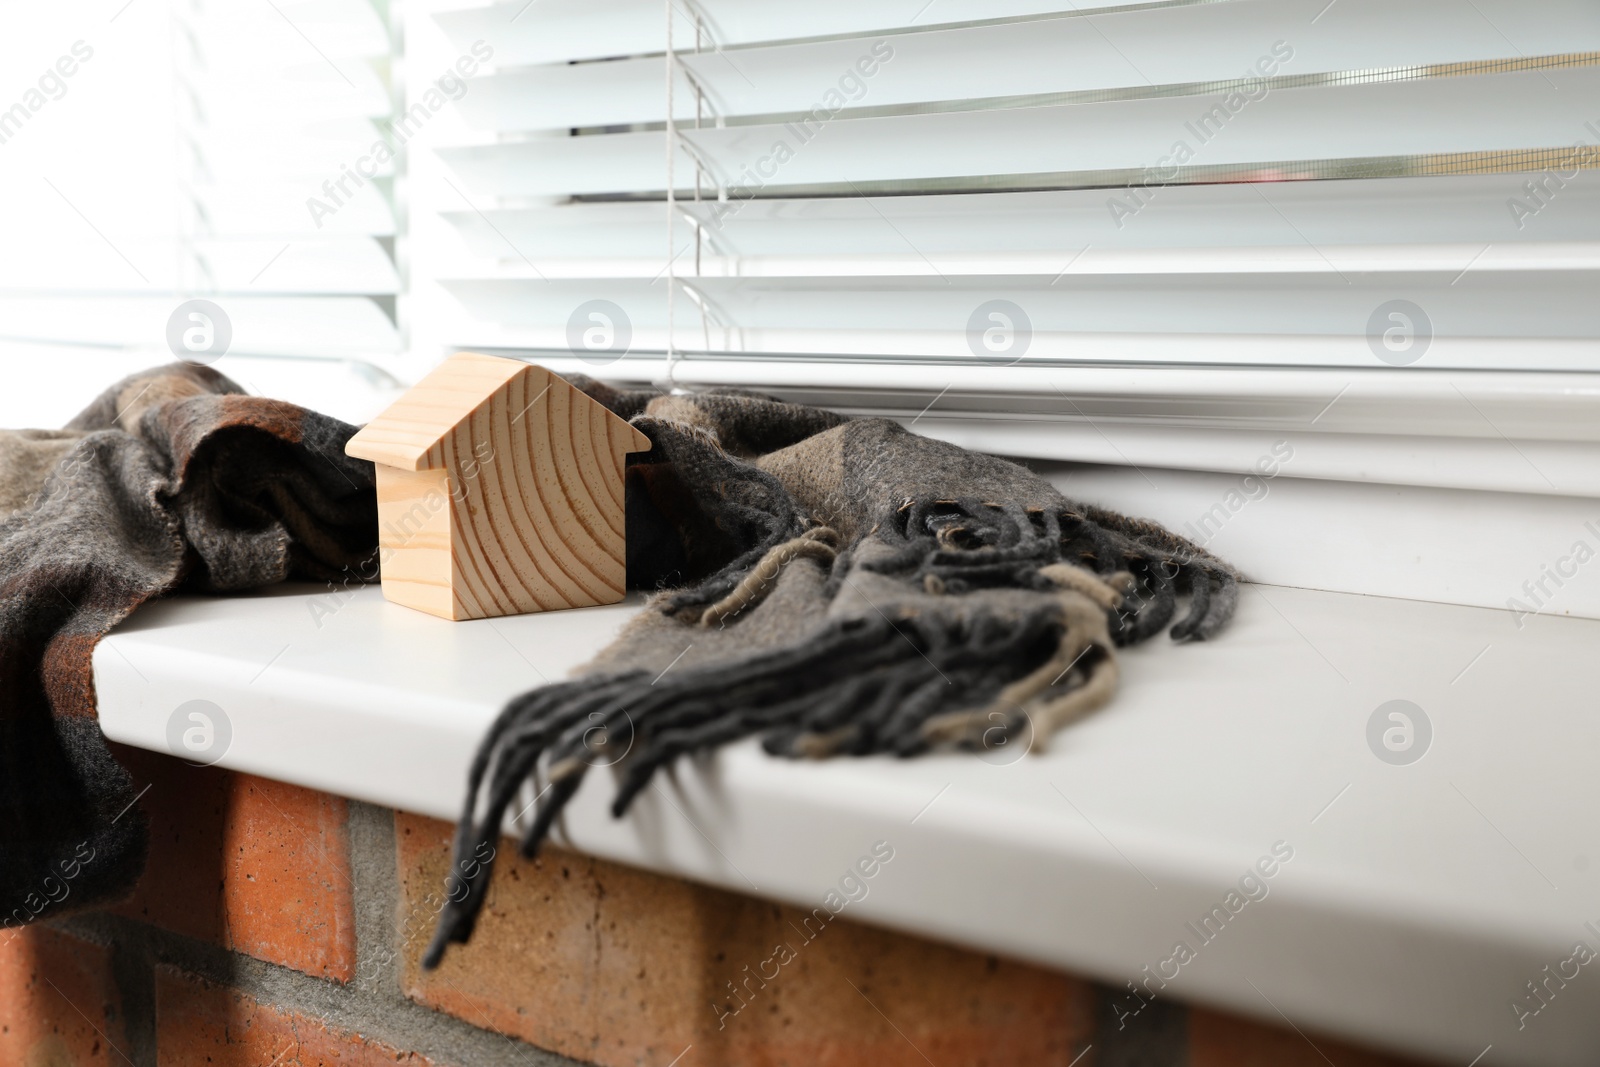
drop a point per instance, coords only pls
(865, 685)
(860, 687)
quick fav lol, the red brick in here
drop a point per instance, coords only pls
(619, 967)
(250, 864)
(201, 1023)
(1228, 1041)
(58, 1003)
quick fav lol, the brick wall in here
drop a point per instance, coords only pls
(277, 926)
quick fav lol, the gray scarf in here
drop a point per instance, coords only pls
(172, 480)
(839, 587)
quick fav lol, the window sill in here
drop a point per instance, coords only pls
(1418, 902)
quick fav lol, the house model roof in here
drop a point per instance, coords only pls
(409, 435)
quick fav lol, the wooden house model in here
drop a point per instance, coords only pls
(500, 491)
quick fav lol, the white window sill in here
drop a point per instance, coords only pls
(1419, 901)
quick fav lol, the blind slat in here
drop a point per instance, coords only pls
(563, 30)
(1307, 317)
(1140, 140)
(261, 325)
(1467, 211)
(1140, 52)
(355, 264)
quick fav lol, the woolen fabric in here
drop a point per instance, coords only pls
(172, 480)
(834, 586)
(838, 587)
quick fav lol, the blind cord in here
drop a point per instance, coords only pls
(672, 208)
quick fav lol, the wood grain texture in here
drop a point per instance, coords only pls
(506, 504)
(414, 532)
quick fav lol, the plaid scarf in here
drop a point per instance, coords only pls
(839, 587)
(172, 480)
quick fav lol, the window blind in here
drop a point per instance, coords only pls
(186, 162)
(998, 189)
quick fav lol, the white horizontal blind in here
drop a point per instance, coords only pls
(206, 150)
(1285, 183)
(294, 200)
